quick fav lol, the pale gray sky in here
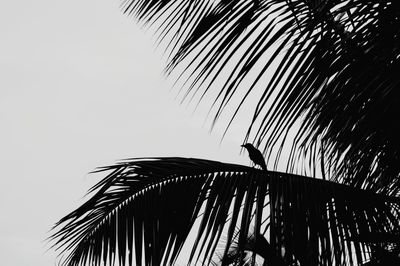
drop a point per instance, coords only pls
(80, 87)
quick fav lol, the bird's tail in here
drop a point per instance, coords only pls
(264, 166)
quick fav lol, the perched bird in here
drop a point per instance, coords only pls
(255, 155)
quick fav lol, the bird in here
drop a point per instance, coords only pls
(255, 155)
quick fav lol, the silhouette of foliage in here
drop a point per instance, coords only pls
(323, 71)
(146, 207)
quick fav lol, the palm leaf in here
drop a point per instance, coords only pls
(144, 209)
(320, 70)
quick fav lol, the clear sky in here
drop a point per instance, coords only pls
(81, 86)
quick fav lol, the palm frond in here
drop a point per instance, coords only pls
(144, 209)
(330, 66)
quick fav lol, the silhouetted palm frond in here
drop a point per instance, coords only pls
(328, 67)
(144, 209)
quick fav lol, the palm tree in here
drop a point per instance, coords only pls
(324, 72)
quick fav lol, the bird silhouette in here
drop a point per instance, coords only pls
(255, 155)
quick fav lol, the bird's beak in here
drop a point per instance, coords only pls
(241, 145)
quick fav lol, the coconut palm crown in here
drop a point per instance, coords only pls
(321, 78)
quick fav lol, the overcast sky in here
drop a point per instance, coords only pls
(81, 86)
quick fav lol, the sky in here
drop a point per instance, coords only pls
(81, 86)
